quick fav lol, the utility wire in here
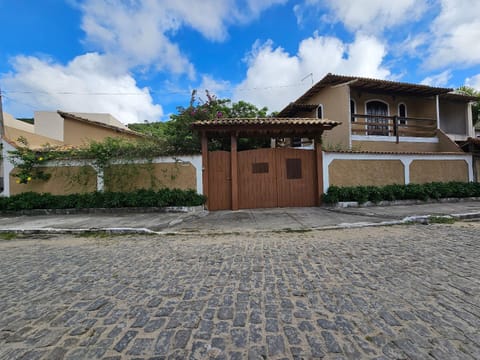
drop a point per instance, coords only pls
(141, 93)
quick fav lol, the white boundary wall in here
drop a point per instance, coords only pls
(7, 168)
(406, 160)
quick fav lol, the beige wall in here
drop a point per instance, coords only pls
(79, 133)
(50, 124)
(366, 172)
(424, 171)
(34, 140)
(446, 144)
(453, 117)
(64, 180)
(146, 176)
(335, 101)
(70, 179)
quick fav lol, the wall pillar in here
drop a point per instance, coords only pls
(234, 170)
(406, 169)
(204, 140)
(437, 106)
(7, 167)
(100, 178)
(470, 128)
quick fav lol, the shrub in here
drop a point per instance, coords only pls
(139, 198)
(375, 194)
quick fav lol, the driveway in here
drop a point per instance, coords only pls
(399, 292)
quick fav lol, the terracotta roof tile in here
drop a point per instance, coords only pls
(97, 123)
(366, 84)
(393, 152)
(263, 121)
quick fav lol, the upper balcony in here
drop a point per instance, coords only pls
(392, 128)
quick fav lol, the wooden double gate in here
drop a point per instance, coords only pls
(278, 177)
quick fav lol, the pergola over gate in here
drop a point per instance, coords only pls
(271, 177)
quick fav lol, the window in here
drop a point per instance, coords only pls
(377, 123)
(320, 112)
(353, 110)
(260, 168)
(294, 169)
(402, 113)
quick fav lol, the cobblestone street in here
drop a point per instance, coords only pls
(401, 292)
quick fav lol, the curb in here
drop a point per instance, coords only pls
(125, 210)
(355, 204)
(423, 219)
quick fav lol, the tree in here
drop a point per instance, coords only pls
(181, 138)
(467, 90)
(154, 129)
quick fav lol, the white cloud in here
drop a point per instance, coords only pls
(438, 80)
(220, 88)
(273, 76)
(141, 31)
(371, 16)
(45, 85)
(474, 82)
(455, 32)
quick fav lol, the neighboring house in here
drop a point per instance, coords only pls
(59, 129)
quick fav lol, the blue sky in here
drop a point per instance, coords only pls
(140, 59)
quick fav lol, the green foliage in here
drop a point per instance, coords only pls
(100, 154)
(27, 162)
(104, 152)
(375, 194)
(178, 135)
(8, 235)
(139, 198)
(154, 129)
(441, 220)
(27, 120)
(467, 90)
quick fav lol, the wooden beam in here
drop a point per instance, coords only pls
(319, 168)
(205, 165)
(234, 170)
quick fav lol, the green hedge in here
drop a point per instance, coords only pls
(423, 192)
(139, 198)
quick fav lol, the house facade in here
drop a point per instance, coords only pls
(380, 115)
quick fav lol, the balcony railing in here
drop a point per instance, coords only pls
(396, 126)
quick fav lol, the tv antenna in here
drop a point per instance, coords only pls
(309, 75)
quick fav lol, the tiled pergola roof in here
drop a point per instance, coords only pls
(264, 126)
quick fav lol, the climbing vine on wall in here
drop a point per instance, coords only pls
(27, 162)
(100, 155)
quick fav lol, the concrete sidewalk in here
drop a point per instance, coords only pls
(281, 219)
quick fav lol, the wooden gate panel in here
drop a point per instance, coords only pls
(219, 181)
(257, 179)
(296, 177)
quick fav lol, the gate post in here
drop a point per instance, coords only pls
(319, 166)
(234, 170)
(205, 165)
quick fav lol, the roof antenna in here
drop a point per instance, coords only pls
(311, 77)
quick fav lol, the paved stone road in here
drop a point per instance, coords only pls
(405, 292)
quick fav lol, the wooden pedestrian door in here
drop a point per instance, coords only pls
(275, 177)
